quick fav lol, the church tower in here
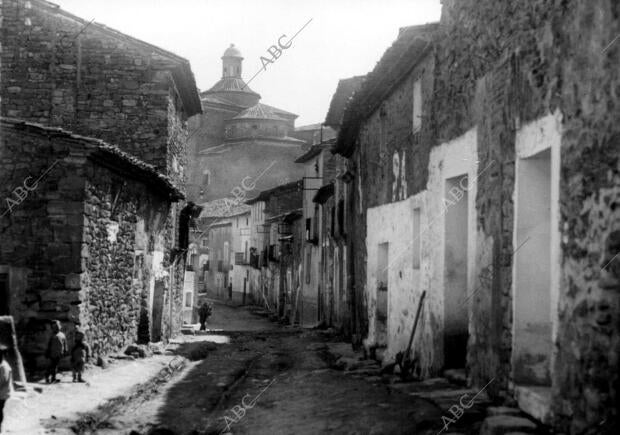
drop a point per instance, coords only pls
(232, 62)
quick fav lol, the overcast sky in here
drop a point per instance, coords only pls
(344, 38)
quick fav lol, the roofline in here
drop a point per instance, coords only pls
(370, 107)
(105, 154)
(269, 192)
(256, 119)
(191, 102)
(250, 140)
(209, 91)
(314, 150)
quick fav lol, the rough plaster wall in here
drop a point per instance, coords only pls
(393, 223)
(543, 134)
(561, 61)
(451, 159)
(378, 180)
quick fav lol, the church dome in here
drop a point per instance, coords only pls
(232, 51)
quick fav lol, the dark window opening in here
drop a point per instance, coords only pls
(4, 294)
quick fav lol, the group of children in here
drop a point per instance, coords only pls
(57, 349)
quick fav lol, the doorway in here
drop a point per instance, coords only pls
(455, 274)
(158, 310)
(532, 274)
(381, 313)
(5, 308)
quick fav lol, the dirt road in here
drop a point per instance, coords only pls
(260, 378)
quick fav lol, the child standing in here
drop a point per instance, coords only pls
(79, 356)
(6, 381)
(56, 349)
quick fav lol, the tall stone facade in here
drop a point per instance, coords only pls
(518, 137)
(59, 70)
(388, 164)
(69, 246)
(532, 59)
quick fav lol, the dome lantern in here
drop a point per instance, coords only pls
(232, 61)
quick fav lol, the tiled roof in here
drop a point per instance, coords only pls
(344, 91)
(280, 112)
(182, 73)
(98, 150)
(259, 111)
(315, 150)
(230, 84)
(399, 59)
(216, 99)
(265, 194)
(223, 207)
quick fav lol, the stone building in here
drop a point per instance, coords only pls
(317, 285)
(505, 191)
(82, 241)
(336, 201)
(222, 231)
(382, 135)
(275, 234)
(96, 84)
(237, 136)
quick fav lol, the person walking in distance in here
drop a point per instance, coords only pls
(203, 313)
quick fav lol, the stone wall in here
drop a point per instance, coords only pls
(111, 306)
(500, 65)
(58, 70)
(40, 234)
(70, 245)
(390, 164)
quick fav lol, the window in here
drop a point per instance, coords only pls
(417, 234)
(205, 243)
(417, 105)
(308, 266)
(188, 300)
(308, 228)
(4, 294)
(205, 178)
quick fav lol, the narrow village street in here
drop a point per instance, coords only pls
(347, 217)
(248, 375)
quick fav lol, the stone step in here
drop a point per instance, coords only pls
(456, 376)
(503, 410)
(505, 424)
